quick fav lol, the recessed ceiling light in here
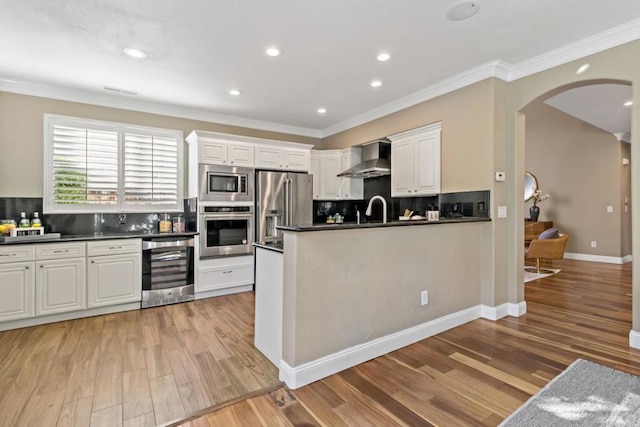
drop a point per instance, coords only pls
(376, 83)
(582, 69)
(322, 110)
(463, 10)
(273, 51)
(628, 104)
(383, 57)
(135, 53)
(234, 92)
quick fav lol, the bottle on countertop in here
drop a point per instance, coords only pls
(36, 222)
(24, 222)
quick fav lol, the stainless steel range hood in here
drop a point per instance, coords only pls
(376, 161)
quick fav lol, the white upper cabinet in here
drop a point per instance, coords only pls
(327, 185)
(220, 152)
(415, 162)
(279, 158)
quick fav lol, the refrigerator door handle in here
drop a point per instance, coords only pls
(287, 195)
(290, 206)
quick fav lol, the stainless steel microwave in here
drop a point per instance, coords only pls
(225, 183)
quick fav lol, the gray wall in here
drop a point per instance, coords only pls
(21, 136)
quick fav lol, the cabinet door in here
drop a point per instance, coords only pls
(268, 157)
(402, 164)
(114, 279)
(297, 160)
(427, 163)
(330, 184)
(241, 154)
(314, 169)
(60, 286)
(17, 283)
(351, 188)
(215, 278)
(212, 152)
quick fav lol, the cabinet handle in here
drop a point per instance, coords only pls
(227, 272)
(41, 266)
(231, 162)
(61, 251)
(114, 247)
(26, 267)
(13, 254)
(93, 262)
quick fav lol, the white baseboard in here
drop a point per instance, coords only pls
(627, 259)
(634, 339)
(33, 321)
(597, 258)
(503, 310)
(225, 291)
(298, 376)
(517, 310)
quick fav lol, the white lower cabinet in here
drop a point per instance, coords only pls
(221, 273)
(17, 285)
(60, 286)
(114, 279)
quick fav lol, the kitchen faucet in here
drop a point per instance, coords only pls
(384, 207)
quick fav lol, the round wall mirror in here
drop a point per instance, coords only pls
(530, 185)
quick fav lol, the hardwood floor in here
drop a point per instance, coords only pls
(138, 368)
(476, 374)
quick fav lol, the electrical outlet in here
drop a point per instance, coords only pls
(594, 244)
(424, 297)
(122, 219)
(609, 209)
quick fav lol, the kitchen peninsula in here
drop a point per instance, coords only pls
(335, 296)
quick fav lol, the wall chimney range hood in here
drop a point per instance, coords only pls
(376, 161)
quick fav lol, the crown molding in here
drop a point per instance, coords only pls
(497, 69)
(128, 103)
(597, 43)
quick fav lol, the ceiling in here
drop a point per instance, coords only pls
(199, 50)
(601, 105)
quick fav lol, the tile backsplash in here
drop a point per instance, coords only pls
(101, 223)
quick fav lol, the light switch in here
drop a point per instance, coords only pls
(502, 211)
(609, 209)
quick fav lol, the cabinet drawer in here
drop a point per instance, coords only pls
(17, 253)
(60, 250)
(114, 247)
(225, 277)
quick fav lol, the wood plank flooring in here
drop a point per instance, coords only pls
(138, 368)
(473, 375)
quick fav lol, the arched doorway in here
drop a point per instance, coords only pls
(520, 164)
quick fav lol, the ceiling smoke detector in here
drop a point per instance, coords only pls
(463, 10)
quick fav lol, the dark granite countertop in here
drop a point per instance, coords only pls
(91, 237)
(276, 247)
(353, 225)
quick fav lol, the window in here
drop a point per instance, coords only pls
(93, 166)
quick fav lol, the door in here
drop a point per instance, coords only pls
(402, 164)
(60, 286)
(330, 184)
(427, 163)
(301, 200)
(114, 279)
(270, 205)
(17, 284)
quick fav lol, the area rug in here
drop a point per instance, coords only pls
(528, 276)
(585, 394)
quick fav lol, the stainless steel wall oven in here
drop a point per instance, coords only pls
(167, 270)
(225, 183)
(226, 230)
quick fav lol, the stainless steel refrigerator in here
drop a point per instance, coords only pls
(283, 198)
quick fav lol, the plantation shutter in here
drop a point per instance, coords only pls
(150, 170)
(85, 166)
